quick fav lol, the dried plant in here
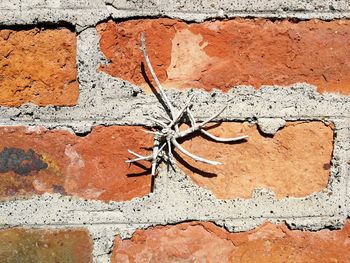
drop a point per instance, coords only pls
(168, 135)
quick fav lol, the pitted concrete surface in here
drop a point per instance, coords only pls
(173, 201)
(85, 13)
(270, 125)
(105, 100)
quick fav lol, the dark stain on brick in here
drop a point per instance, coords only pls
(59, 189)
(20, 162)
(327, 166)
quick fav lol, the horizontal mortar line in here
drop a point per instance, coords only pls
(77, 224)
(206, 12)
(294, 11)
(63, 9)
(272, 12)
(123, 119)
(209, 12)
(171, 222)
(59, 125)
(128, 123)
(244, 13)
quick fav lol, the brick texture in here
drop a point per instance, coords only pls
(205, 242)
(38, 66)
(222, 54)
(37, 161)
(85, 177)
(295, 162)
(49, 246)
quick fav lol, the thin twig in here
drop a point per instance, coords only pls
(136, 154)
(157, 121)
(155, 154)
(191, 117)
(181, 112)
(168, 133)
(145, 158)
(191, 155)
(154, 76)
(199, 125)
(151, 132)
(218, 139)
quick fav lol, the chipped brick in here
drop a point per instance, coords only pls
(292, 163)
(223, 54)
(205, 242)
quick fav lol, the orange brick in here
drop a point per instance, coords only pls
(29, 245)
(222, 54)
(38, 66)
(93, 167)
(205, 242)
(295, 162)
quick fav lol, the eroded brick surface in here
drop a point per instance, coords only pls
(45, 246)
(205, 242)
(36, 161)
(38, 66)
(222, 54)
(295, 162)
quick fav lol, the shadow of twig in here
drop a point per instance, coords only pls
(192, 168)
(146, 170)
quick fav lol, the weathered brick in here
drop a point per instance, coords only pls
(49, 246)
(222, 54)
(37, 161)
(38, 66)
(205, 242)
(295, 162)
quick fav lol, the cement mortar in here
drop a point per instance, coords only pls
(85, 13)
(270, 125)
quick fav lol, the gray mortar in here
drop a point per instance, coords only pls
(270, 125)
(108, 101)
(85, 13)
(177, 199)
(105, 100)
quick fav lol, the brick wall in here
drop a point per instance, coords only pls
(75, 95)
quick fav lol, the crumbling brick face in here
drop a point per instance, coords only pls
(205, 242)
(223, 54)
(295, 162)
(38, 66)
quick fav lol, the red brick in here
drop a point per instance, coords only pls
(205, 242)
(40, 161)
(295, 162)
(222, 54)
(30, 245)
(38, 66)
